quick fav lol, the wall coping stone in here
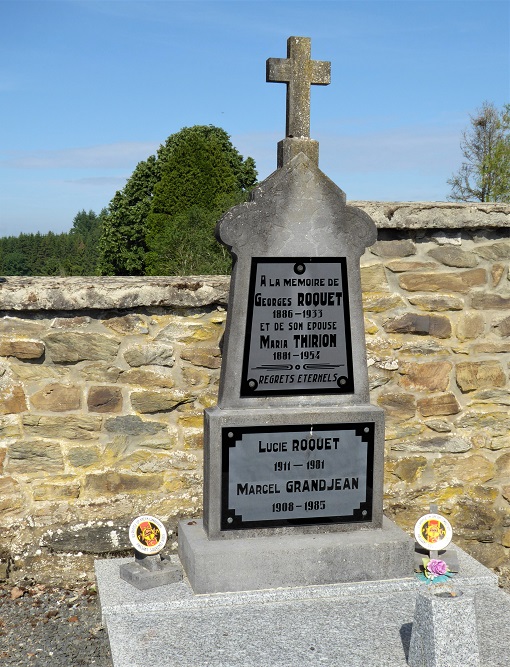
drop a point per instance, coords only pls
(124, 292)
(436, 215)
(23, 293)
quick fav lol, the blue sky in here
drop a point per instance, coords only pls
(88, 88)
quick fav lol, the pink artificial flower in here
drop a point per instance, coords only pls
(437, 567)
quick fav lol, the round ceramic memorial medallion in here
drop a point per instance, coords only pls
(433, 532)
(147, 534)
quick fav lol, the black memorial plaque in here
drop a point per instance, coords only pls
(297, 475)
(298, 335)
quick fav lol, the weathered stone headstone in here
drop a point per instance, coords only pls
(294, 450)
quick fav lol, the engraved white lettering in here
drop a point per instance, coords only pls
(314, 340)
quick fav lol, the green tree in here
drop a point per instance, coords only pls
(196, 175)
(485, 172)
(67, 254)
(84, 240)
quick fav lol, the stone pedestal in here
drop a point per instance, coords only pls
(444, 629)
(279, 561)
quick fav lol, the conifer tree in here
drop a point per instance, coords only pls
(196, 175)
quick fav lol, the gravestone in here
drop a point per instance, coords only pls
(293, 536)
(294, 451)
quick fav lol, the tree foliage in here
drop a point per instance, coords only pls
(162, 222)
(485, 172)
(68, 254)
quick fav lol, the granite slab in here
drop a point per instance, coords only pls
(353, 624)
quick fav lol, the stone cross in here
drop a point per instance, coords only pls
(299, 73)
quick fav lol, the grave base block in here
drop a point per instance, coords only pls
(281, 561)
(143, 579)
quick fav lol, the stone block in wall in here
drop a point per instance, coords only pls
(127, 324)
(503, 327)
(133, 425)
(104, 399)
(461, 281)
(425, 376)
(471, 469)
(83, 456)
(146, 377)
(494, 251)
(439, 405)
(407, 265)
(393, 248)
(143, 462)
(195, 377)
(80, 427)
(21, 349)
(414, 323)
(11, 498)
(437, 443)
(60, 488)
(57, 397)
(70, 322)
(373, 278)
(193, 439)
(10, 426)
(439, 425)
(189, 332)
(470, 325)
(35, 456)
(490, 301)
(71, 346)
(497, 272)
(422, 347)
(402, 430)
(20, 326)
(194, 420)
(12, 397)
(95, 537)
(471, 375)
(398, 406)
(149, 402)
(490, 348)
(378, 377)
(150, 354)
(503, 466)
(489, 553)
(35, 372)
(454, 256)
(408, 469)
(497, 443)
(100, 372)
(113, 483)
(377, 302)
(492, 421)
(208, 357)
(471, 519)
(505, 537)
(436, 302)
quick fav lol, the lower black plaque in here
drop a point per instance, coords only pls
(297, 475)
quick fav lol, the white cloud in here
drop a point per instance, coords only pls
(119, 155)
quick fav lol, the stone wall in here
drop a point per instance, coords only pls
(103, 382)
